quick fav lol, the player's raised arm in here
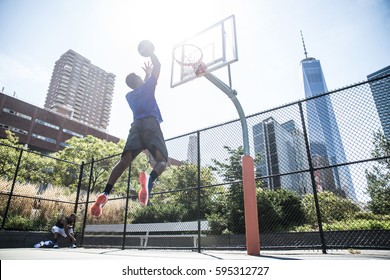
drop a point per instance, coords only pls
(156, 65)
(146, 49)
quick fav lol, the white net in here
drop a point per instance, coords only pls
(189, 57)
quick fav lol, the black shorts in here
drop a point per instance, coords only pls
(146, 134)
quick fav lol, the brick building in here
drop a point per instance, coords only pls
(41, 129)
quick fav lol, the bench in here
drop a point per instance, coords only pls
(152, 227)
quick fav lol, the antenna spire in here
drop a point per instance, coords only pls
(303, 42)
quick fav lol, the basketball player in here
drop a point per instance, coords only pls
(145, 133)
(64, 227)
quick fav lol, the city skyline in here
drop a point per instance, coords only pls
(345, 33)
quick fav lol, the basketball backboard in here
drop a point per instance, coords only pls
(216, 46)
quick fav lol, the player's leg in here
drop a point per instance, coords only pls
(147, 181)
(124, 162)
(132, 148)
(56, 232)
(72, 242)
(156, 146)
(55, 240)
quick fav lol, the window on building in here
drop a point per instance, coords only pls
(72, 133)
(47, 124)
(12, 112)
(13, 129)
(44, 138)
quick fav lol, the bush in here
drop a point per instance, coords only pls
(358, 225)
(270, 214)
(159, 213)
(371, 216)
(279, 210)
(18, 223)
(218, 225)
(332, 208)
(290, 207)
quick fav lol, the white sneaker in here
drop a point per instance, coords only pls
(73, 246)
(55, 246)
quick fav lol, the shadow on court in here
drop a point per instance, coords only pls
(134, 254)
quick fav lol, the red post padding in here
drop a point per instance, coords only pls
(250, 207)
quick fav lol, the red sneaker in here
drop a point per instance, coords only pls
(96, 209)
(143, 195)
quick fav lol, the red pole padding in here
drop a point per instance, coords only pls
(250, 206)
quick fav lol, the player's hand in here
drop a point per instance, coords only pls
(148, 67)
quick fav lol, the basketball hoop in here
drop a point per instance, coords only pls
(190, 58)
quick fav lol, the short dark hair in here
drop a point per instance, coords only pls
(130, 80)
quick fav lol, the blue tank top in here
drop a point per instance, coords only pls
(143, 102)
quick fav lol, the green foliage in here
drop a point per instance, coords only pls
(358, 221)
(160, 213)
(290, 206)
(371, 216)
(19, 223)
(358, 225)
(184, 179)
(9, 156)
(84, 150)
(277, 210)
(268, 212)
(218, 224)
(231, 171)
(332, 207)
(379, 177)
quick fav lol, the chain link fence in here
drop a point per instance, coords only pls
(322, 178)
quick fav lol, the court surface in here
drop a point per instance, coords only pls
(135, 254)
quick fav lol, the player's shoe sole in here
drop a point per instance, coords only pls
(143, 195)
(96, 209)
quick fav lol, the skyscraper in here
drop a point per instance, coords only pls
(281, 150)
(81, 91)
(192, 152)
(381, 93)
(324, 136)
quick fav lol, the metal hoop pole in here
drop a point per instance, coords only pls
(248, 175)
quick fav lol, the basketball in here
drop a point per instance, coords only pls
(145, 48)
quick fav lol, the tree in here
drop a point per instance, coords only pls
(379, 177)
(231, 171)
(332, 207)
(8, 155)
(289, 206)
(106, 154)
(34, 168)
(277, 209)
(183, 179)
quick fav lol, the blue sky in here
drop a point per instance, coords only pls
(351, 38)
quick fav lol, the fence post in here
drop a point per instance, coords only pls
(12, 189)
(79, 187)
(86, 202)
(199, 184)
(313, 181)
(126, 208)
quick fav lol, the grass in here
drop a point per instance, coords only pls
(32, 209)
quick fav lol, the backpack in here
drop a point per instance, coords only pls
(44, 244)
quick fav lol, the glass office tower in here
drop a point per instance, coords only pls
(325, 142)
(381, 93)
